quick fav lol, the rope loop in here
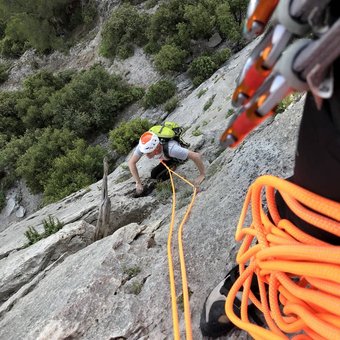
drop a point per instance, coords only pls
(298, 275)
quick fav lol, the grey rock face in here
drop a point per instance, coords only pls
(118, 287)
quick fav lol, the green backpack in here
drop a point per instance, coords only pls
(169, 131)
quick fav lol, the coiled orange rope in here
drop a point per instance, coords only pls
(298, 275)
(187, 315)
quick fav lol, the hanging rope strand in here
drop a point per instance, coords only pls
(185, 290)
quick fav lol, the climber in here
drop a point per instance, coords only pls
(317, 169)
(170, 152)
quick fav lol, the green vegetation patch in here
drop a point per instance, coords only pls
(4, 72)
(171, 104)
(51, 226)
(159, 93)
(163, 190)
(125, 28)
(126, 135)
(209, 103)
(44, 25)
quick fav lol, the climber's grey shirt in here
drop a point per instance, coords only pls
(175, 151)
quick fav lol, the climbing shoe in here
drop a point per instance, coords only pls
(214, 322)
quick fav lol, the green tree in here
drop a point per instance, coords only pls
(36, 93)
(221, 56)
(238, 9)
(90, 101)
(10, 122)
(201, 68)
(201, 22)
(34, 166)
(126, 135)
(170, 58)
(11, 152)
(159, 93)
(163, 23)
(227, 24)
(125, 28)
(12, 49)
(78, 168)
(43, 24)
(4, 69)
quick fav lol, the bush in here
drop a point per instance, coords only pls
(3, 72)
(163, 24)
(126, 135)
(90, 102)
(201, 22)
(10, 48)
(78, 168)
(283, 105)
(221, 56)
(171, 104)
(43, 25)
(2, 199)
(34, 166)
(10, 122)
(11, 153)
(201, 68)
(170, 58)
(226, 23)
(51, 226)
(124, 28)
(36, 93)
(163, 190)
(158, 93)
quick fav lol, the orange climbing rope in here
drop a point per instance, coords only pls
(187, 315)
(298, 275)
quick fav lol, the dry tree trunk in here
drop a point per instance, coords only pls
(103, 222)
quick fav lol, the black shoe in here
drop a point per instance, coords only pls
(214, 322)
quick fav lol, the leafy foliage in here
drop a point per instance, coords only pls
(180, 22)
(226, 23)
(10, 122)
(124, 28)
(163, 190)
(2, 199)
(159, 93)
(221, 56)
(51, 226)
(44, 25)
(126, 135)
(78, 168)
(171, 104)
(90, 101)
(201, 22)
(40, 124)
(10, 48)
(170, 58)
(35, 164)
(204, 66)
(163, 23)
(201, 68)
(36, 94)
(11, 152)
(3, 72)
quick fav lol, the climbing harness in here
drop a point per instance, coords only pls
(298, 275)
(185, 290)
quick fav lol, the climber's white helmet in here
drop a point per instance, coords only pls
(148, 142)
